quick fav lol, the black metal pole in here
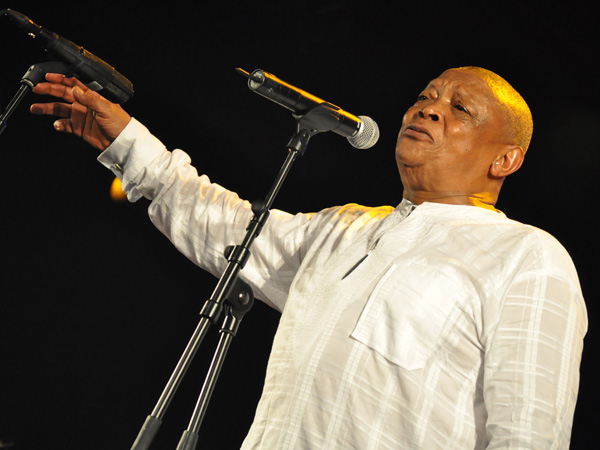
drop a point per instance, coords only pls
(237, 257)
(32, 77)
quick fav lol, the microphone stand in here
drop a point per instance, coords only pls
(231, 294)
(32, 77)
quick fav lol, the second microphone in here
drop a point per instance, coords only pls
(361, 131)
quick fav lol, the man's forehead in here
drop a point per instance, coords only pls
(463, 81)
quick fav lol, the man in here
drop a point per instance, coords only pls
(436, 324)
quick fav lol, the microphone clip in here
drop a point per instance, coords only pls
(317, 120)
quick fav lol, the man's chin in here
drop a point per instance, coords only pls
(410, 157)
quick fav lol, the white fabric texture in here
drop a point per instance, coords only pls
(461, 329)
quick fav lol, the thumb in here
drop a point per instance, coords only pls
(91, 99)
(111, 118)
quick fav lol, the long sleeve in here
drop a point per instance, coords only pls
(201, 218)
(532, 361)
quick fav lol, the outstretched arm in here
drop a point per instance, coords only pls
(82, 112)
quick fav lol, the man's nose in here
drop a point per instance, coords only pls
(429, 112)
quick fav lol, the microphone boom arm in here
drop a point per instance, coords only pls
(97, 74)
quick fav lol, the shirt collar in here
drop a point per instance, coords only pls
(450, 211)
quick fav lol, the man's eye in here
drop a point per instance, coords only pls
(422, 97)
(461, 108)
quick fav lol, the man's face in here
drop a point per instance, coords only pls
(451, 135)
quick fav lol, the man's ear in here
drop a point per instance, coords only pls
(507, 163)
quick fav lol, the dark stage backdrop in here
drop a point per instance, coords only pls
(97, 305)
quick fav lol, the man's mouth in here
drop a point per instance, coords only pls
(417, 131)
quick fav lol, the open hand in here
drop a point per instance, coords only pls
(83, 112)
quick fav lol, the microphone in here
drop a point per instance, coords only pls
(361, 131)
(95, 73)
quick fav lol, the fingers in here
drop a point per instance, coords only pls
(70, 90)
(57, 78)
(90, 99)
(52, 109)
(79, 121)
(109, 116)
(82, 112)
(79, 101)
(59, 86)
(63, 110)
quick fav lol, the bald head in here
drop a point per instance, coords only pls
(516, 112)
(464, 135)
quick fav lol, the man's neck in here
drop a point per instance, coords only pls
(482, 200)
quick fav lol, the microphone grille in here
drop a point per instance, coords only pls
(367, 135)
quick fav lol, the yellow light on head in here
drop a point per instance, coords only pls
(516, 109)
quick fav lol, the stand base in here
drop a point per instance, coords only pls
(147, 433)
(188, 441)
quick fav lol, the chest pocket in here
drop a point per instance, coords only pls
(406, 313)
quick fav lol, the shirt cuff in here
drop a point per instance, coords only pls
(131, 151)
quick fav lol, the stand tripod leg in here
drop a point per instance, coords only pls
(190, 436)
(153, 422)
(240, 299)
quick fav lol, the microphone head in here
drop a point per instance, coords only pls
(367, 135)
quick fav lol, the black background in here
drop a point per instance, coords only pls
(97, 305)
